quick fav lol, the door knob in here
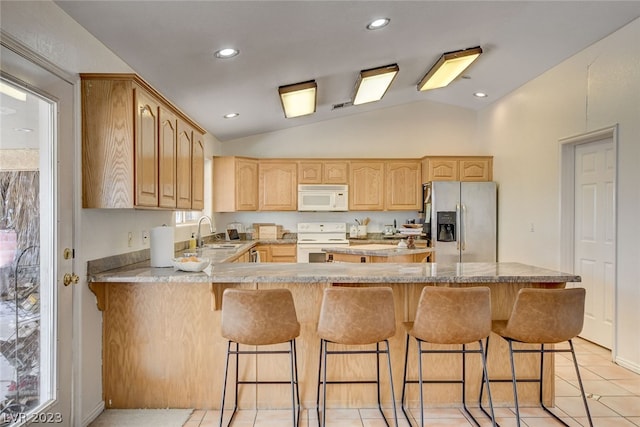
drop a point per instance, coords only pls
(70, 279)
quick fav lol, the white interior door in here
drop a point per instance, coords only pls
(594, 255)
(37, 142)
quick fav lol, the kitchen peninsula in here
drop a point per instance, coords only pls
(162, 345)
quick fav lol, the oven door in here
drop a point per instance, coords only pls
(311, 252)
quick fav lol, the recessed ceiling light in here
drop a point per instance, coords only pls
(378, 23)
(480, 95)
(26, 130)
(226, 53)
(231, 115)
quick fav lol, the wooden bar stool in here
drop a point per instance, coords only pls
(257, 318)
(543, 316)
(450, 316)
(355, 316)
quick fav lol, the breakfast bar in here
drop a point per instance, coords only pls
(162, 345)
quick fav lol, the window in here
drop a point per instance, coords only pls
(186, 217)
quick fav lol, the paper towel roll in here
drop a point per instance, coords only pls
(162, 246)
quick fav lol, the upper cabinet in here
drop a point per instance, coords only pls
(476, 168)
(403, 185)
(137, 149)
(323, 172)
(366, 185)
(197, 171)
(277, 185)
(235, 184)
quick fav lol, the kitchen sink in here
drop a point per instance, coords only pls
(222, 245)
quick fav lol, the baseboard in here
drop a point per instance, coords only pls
(632, 366)
(93, 414)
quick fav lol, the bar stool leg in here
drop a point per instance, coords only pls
(584, 396)
(224, 386)
(393, 394)
(404, 380)
(295, 397)
(319, 381)
(485, 377)
(324, 383)
(420, 382)
(515, 383)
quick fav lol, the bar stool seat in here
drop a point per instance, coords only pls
(257, 318)
(540, 317)
(449, 316)
(355, 316)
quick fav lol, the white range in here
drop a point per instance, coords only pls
(313, 236)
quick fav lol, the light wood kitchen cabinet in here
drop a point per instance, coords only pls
(476, 168)
(183, 165)
(167, 158)
(366, 185)
(197, 172)
(235, 184)
(309, 172)
(131, 145)
(403, 185)
(281, 252)
(323, 172)
(277, 185)
(146, 148)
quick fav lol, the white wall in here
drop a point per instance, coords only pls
(47, 30)
(596, 88)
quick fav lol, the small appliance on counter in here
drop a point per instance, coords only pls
(233, 230)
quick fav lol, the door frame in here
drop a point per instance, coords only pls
(567, 207)
(15, 45)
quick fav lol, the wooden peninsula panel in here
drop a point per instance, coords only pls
(162, 345)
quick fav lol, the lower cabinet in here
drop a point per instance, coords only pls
(281, 252)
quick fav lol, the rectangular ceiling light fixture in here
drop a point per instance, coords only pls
(449, 66)
(372, 84)
(298, 99)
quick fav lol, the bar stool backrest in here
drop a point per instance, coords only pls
(259, 317)
(546, 316)
(356, 316)
(453, 315)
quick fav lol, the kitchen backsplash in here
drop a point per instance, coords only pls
(289, 220)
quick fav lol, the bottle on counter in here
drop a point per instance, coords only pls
(192, 243)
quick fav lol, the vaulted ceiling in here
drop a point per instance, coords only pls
(171, 45)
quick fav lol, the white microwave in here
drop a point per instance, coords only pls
(323, 197)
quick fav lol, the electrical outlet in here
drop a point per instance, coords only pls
(145, 237)
(531, 227)
(130, 239)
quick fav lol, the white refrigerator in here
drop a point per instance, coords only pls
(464, 221)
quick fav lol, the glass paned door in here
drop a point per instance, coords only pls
(35, 223)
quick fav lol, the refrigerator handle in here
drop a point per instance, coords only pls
(463, 229)
(459, 226)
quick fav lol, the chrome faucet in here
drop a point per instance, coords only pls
(199, 235)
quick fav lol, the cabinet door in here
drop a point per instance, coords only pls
(146, 149)
(443, 170)
(476, 169)
(277, 186)
(335, 172)
(309, 172)
(167, 158)
(403, 185)
(183, 165)
(366, 189)
(264, 252)
(246, 190)
(197, 171)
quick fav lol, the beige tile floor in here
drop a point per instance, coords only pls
(614, 400)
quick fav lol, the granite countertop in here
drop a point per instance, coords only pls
(340, 273)
(381, 250)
